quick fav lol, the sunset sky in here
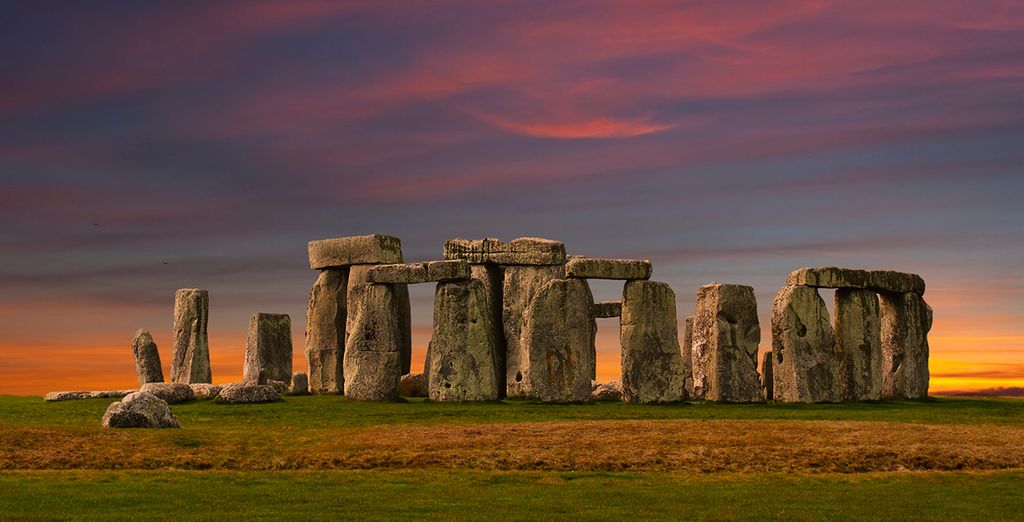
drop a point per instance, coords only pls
(149, 146)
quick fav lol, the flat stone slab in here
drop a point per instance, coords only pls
(413, 273)
(597, 268)
(246, 393)
(172, 392)
(520, 251)
(67, 396)
(606, 309)
(877, 280)
(354, 250)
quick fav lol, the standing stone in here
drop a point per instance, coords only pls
(806, 365)
(558, 341)
(726, 334)
(358, 275)
(688, 358)
(147, 358)
(413, 385)
(906, 320)
(461, 354)
(373, 358)
(766, 376)
(520, 285)
(652, 366)
(191, 356)
(492, 278)
(859, 344)
(300, 384)
(268, 347)
(325, 332)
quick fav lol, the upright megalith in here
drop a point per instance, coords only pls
(191, 353)
(147, 358)
(358, 275)
(806, 367)
(766, 377)
(652, 365)
(521, 284)
(905, 322)
(268, 348)
(558, 342)
(492, 277)
(461, 356)
(859, 344)
(373, 357)
(691, 393)
(325, 331)
(726, 334)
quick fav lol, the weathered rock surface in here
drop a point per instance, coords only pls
(492, 278)
(558, 336)
(373, 360)
(688, 358)
(412, 273)
(859, 344)
(413, 385)
(597, 268)
(354, 250)
(652, 365)
(726, 334)
(766, 377)
(246, 393)
(140, 410)
(268, 346)
(191, 355)
(172, 392)
(147, 358)
(606, 309)
(110, 394)
(300, 384)
(878, 280)
(325, 332)
(905, 322)
(462, 348)
(606, 392)
(520, 251)
(806, 366)
(520, 285)
(204, 390)
(357, 275)
(280, 387)
(67, 396)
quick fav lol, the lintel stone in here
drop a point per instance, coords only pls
(877, 280)
(605, 309)
(354, 250)
(520, 251)
(596, 268)
(412, 273)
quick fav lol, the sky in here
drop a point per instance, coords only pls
(150, 146)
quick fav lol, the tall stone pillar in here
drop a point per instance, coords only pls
(325, 331)
(190, 361)
(268, 348)
(906, 320)
(859, 344)
(147, 358)
(726, 334)
(652, 365)
(461, 357)
(373, 359)
(557, 338)
(806, 366)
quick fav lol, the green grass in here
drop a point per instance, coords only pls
(464, 494)
(335, 412)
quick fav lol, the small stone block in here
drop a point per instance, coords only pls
(605, 309)
(400, 274)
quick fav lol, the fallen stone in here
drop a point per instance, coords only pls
(413, 385)
(688, 357)
(300, 384)
(357, 275)
(67, 396)
(140, 410)
(806, 368)
(606, 392)
(280, 387)
(595, 268)
(652, 365)
(558, 336)
(268, 347)
(859, 344)
(204, 391)
(492, 278)
(766, 376)
(726, 334)
(110, 394)
(147, 358)
(373, 361)
(191, 354)
(520, 285)
(520, 251)
(325, 332)
(246, 393)
(896, 282)
(905, 322)
(605, 309)
(172, 392)
(462, 348)
(355, 250)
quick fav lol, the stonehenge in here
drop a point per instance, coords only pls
(724, 338)
(461, 358)
(147, 358)
(652, 363)
(325, 331)
(268, 348)
(191, 352)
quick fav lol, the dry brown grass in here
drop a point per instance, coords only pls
(698, 446)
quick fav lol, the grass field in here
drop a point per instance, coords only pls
(324, 457)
